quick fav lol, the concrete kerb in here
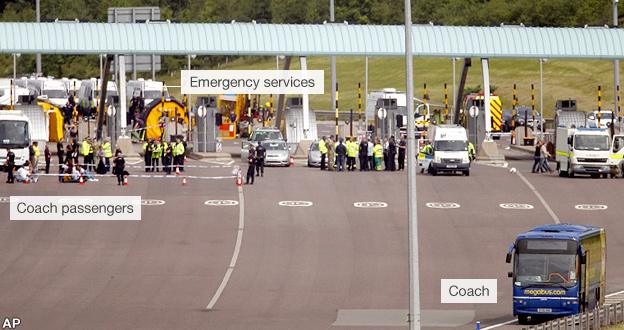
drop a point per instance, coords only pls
(209, 155)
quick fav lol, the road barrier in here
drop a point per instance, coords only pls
(599, 318)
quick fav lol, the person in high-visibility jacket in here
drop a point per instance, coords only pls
(352, 151)
(378, 153)
(156, 155)
(108, 153)
(323, 150)
(85, 149)
(471, 151)
(34, 156)
(178, 154)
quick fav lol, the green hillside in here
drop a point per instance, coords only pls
(562, 79)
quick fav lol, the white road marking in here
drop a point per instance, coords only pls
(591, 207)
(135, 162)
(614, 294)
(295, 203)
(152, 202)
(237, 248)
(516, 206)
(539, 196)
(218, 202)
(499, 325)
(443, 205)
(370, 205)
(514, 321)
(4, 199)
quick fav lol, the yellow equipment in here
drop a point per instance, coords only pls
(55, 120)
(161, 111)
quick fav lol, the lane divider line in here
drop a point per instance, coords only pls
(237, 248)
(513, 321)
(539, 196)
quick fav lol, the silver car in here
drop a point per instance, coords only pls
(260, 134)
(277, 153)
(314, 155)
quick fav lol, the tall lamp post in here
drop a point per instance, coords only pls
(414, 281)
(541, 63)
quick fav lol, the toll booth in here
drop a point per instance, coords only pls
(392, 120)
(207, 111)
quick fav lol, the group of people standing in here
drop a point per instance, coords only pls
(171, 154)
(540, 158)
(371, 155)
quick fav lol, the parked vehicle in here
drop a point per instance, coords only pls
(260, 134)
(584, 151)
(314, 155)
(277, 153)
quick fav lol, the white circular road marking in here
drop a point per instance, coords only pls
(295, 203)
(152, 202)
(443, 205)
(590, 207)
(219, 202)
(4, 199)
(370, 205)
(516, 206)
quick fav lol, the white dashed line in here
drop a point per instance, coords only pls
(218, 202)
(295, 203)
(591, 207)
(516, 206)
(443, 205)
(370, 205)
(152, 202)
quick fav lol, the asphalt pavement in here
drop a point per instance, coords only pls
(328, 265)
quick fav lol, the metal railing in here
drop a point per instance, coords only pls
(596, 319)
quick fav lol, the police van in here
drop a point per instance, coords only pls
(448, 151)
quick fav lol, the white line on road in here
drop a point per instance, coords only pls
(237, 247)
(499, 325)
(539, 196)
(136, 162)
(513, 321)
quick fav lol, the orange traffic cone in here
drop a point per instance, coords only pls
(177, 170)
(184, 181)
(239, 178)
(81, 181)
(125, 182)
(27, 181)
(292, 161)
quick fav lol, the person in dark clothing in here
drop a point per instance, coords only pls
(147, 151)
(60, 152)
(392, 154)
(537, 157)
(385, 154)
(10, 164)
(251, 163)
(120, 167)
(167, 159)
(75, 151)
(341, 155)
(47, 156)
(260, 154)
(402, 149)
(363, 154)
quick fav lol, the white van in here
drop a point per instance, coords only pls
(450, 150)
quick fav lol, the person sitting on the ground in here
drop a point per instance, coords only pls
(23, 174)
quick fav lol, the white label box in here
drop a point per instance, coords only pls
(75, 208)
(468, 291)
(252, 81)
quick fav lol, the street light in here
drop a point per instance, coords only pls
(541, 62)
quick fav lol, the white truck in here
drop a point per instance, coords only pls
(450, 150)
(15, 134)
(585, 151)
(55, 92)
(149, 90)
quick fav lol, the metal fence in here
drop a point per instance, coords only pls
(597, 319)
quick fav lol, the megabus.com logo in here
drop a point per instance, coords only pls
(543, 292)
